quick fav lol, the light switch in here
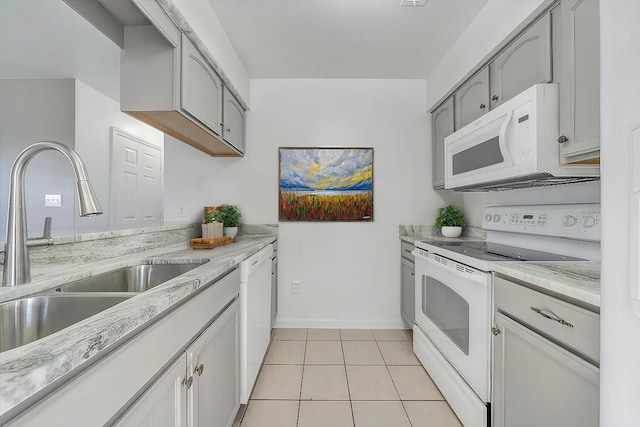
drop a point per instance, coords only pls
(53, 200)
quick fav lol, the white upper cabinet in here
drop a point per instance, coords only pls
(167, 82)
(472, 98)
(580, 81)
(524, 63)
(201, 94)
(442, 125)
(233, 129)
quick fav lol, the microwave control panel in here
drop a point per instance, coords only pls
(523, 139)
(577, 221)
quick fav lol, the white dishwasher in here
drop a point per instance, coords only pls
(255, 317)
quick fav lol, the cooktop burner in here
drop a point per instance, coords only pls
(488, 251)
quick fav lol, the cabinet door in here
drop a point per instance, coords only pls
(274, 291)
(442, 125)
(580, 81)
(537, 383)
(233, 131)
(163, 404)
(408, 292)
(213, 360)
(524, 63)
(201, 94)
(472, 98)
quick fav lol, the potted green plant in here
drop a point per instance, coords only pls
(450, 220)
(229, 216)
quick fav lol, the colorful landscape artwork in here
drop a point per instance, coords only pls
(326, 184)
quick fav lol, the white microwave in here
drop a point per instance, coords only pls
(515, 145)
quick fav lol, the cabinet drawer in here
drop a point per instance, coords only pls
(519, 302)
(405, 250)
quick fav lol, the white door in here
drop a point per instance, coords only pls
(136, 181)
(163, 404)
(213, 361)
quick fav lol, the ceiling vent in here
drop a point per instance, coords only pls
(413, 3)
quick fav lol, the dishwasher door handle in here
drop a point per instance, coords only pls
(554, 318)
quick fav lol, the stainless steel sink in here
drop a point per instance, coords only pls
(137, 278)
(28, 319)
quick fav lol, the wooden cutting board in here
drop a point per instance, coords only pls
(200, 243)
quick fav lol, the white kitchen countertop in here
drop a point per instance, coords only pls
(576, 280)
(41, 366)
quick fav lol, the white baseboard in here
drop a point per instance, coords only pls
(340, 324)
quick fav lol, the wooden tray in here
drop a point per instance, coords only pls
(201, 243)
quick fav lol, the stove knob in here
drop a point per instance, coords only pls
(588, 221)
(496, 218)
(569, 221)
(487, 217)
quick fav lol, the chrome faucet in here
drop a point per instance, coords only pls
(17, 269)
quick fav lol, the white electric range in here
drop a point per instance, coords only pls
(452, 335)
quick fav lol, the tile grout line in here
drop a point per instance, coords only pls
(344, 361)
(386, 365)
(304, 364)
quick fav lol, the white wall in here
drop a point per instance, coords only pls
(620, 116)
(496, 20)
(31, 111)
(67, 111)
(203, 20)
(349, 271)
(95, 115)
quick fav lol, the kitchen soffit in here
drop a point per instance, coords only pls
(343, 38)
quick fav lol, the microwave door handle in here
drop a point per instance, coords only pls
(502, 139)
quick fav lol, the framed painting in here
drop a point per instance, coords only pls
(325, 184)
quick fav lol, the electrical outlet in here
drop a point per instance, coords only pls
(53, 200)
(295, 287)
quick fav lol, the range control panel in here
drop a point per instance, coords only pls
(577, 221)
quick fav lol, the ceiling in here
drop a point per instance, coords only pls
(343, 38)
(46, 39)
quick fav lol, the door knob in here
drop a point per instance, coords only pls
(562, 139)
(188, 382)
(200, 369)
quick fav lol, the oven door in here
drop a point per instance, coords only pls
(453, 304)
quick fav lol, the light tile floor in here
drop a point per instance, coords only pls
(346, 377)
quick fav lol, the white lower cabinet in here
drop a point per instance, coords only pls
(164, 403)
(153, 378)
(200, 388)
(213, 361)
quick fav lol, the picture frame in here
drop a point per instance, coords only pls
(325, 184)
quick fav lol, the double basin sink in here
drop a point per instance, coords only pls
(29, 319)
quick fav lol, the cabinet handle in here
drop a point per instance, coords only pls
(495, 331)
(413, 274)
(227, 130)
(188, 382)
(200, 369)
(494, 98)
(562, 139)
(556, 319)
(482, 106)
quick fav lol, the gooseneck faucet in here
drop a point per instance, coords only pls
(17, 269)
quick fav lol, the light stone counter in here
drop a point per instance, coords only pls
(28, 372)
(577, 280)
